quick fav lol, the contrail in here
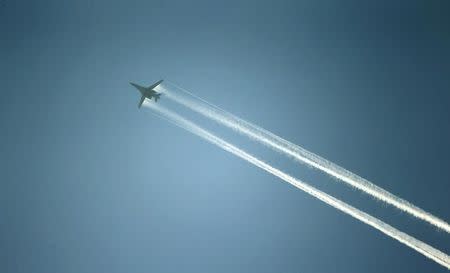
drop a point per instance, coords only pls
(298, 153)
(421, 247)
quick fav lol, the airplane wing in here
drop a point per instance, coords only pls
(155, 85)
(141, 101)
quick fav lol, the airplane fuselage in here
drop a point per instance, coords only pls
(149, 94)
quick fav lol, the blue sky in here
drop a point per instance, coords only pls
(90, 183)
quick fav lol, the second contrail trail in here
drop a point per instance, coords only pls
(421, 247)
(298, 153)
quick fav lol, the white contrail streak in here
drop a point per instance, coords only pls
(298, 153)
(421, 247)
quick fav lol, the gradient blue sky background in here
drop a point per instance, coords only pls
(91, 184)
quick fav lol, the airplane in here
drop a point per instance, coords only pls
(148, 92)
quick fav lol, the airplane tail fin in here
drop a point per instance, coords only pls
(157, 96)
(141, 101)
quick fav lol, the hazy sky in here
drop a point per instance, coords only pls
(91, 183)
